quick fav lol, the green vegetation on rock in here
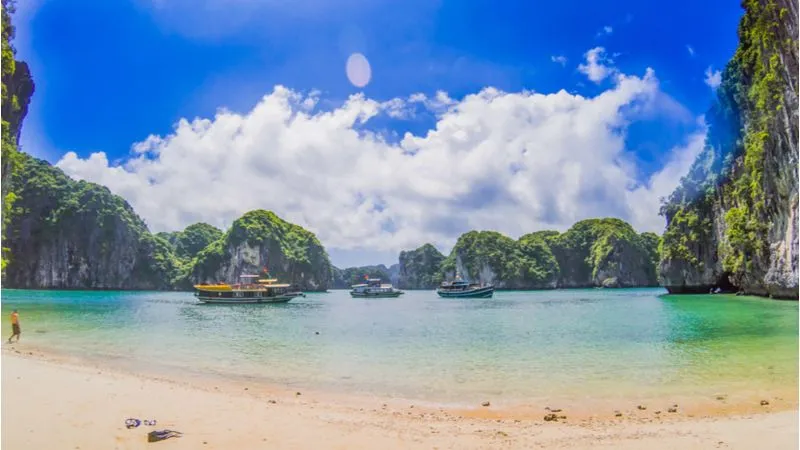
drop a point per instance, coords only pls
(17, 89)
(420, 268)
(595, 252)
(74, 234)
(260, 239)
(736, 201)
(187, 244)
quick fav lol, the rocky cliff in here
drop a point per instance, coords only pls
(605, 252)
(596, 252)
(732, 222)
(261, 240)
(17, 89)
(491, 257)
(420, 268)
(76, 235)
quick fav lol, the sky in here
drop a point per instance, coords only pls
(379, 125)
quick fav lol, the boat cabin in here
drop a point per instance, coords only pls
(458, 285)
(373, 285)
(249, 287)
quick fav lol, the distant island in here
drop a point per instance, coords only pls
(731, 224)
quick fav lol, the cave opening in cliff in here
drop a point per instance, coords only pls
(724, 283)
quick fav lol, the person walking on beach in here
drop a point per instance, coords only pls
(14, 326)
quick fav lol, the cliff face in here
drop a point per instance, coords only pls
(17, 89)
(732, 222)
(596, 252)
(260, 240)
(490, 257)
(76, 235)
(605, 252)
(420, 268)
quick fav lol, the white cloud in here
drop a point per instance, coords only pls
(645, 200)
(560, 59)
(513, 162)
(690, 49)
(713, 78)
(605, 31)
(598, 66)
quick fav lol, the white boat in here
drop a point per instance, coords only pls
(373, 288)
(250, 290)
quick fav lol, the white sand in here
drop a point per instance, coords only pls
(49, 404)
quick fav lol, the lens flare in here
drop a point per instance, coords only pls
(358, 70)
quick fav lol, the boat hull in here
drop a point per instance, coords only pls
(484, 292)
(376, 295)
(283, 298)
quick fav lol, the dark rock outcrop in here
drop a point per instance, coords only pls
(69, 234)
(420, 268)
(732, 223)
(595, 252)
(17, 90)
(261, 240)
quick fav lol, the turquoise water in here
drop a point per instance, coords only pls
(515, 346)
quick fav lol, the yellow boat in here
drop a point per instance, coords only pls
(249, 290)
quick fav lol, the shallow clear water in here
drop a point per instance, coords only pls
(515, 346)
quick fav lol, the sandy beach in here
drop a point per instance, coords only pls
(50, 402)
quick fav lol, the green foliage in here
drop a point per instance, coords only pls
(759, 55)
(652, 244)
(10, 158)
(524, 263)
(586, 254)
(749, 103)
(97, 230)
(685, 233)
(156, 265)
(210, 258)
(264, 226)
(298, 251)
(420, 268)
(595, 245)
(535, 260)
(189, 242)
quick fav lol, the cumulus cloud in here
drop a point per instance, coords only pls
(713, 78)
(513, 162)
(690, 49)
(560, 59)
(598, 65)
(646, 198)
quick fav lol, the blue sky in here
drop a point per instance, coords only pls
(111, 73)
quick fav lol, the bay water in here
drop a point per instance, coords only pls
(517, 346)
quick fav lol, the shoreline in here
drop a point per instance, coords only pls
(602, 407)
(41, 384)
(327, 291)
